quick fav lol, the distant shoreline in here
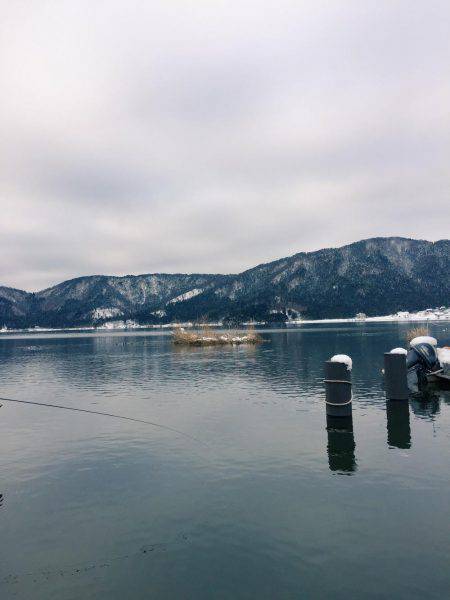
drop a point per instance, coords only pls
(429, 315)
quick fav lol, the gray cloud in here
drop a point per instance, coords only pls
(208, 137)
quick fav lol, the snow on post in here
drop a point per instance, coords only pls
(344, 359)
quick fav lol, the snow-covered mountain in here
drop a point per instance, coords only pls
(375, 276)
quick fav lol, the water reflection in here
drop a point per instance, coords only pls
(89, 490)
(341, 445)
(426, 404)
(398, 424)
(287, 364)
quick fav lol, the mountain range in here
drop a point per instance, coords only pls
(374, 276)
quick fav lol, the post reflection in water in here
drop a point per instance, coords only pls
(398, 425)
(341, 445)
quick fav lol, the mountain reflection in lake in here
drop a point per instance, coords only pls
(275, 501)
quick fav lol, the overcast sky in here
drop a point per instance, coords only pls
(209, 136)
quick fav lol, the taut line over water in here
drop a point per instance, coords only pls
(105, 414)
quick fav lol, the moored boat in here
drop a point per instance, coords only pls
(426, 363)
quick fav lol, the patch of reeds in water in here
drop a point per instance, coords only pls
(207, 337)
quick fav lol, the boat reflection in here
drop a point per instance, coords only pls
(398, 424)
(341, 445)
(426, 404)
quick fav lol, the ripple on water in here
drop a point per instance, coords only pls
(270, 503)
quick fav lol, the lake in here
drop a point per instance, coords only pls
(250, 497)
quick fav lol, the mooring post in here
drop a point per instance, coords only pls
(396, 374)
(338, 386)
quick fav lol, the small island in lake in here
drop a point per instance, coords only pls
(207, 337)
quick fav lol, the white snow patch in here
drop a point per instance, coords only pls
(105, 313)
(423, 339)
(112, 325)
(343, 358)
(399, 351)
(186, 296)
(295, 282)
(128, 324)
(444, 356)
(429, 314)
(279, 276)
(235, 289)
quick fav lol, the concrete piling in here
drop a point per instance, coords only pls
(396, 375)
(338, 386)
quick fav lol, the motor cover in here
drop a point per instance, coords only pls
(424, 354)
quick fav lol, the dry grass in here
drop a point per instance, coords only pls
(416, 332)
(207, 337)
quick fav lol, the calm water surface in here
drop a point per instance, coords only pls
(257, 500)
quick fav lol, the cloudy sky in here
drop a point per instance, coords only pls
(209, 136)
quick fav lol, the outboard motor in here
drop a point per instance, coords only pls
(421, 360)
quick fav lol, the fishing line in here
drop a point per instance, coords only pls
(84, 567)
(105, 414)
(80, 568)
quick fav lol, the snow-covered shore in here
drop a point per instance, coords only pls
(429, 314)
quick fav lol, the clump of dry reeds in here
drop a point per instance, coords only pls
(416, 332)
(207, 337)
